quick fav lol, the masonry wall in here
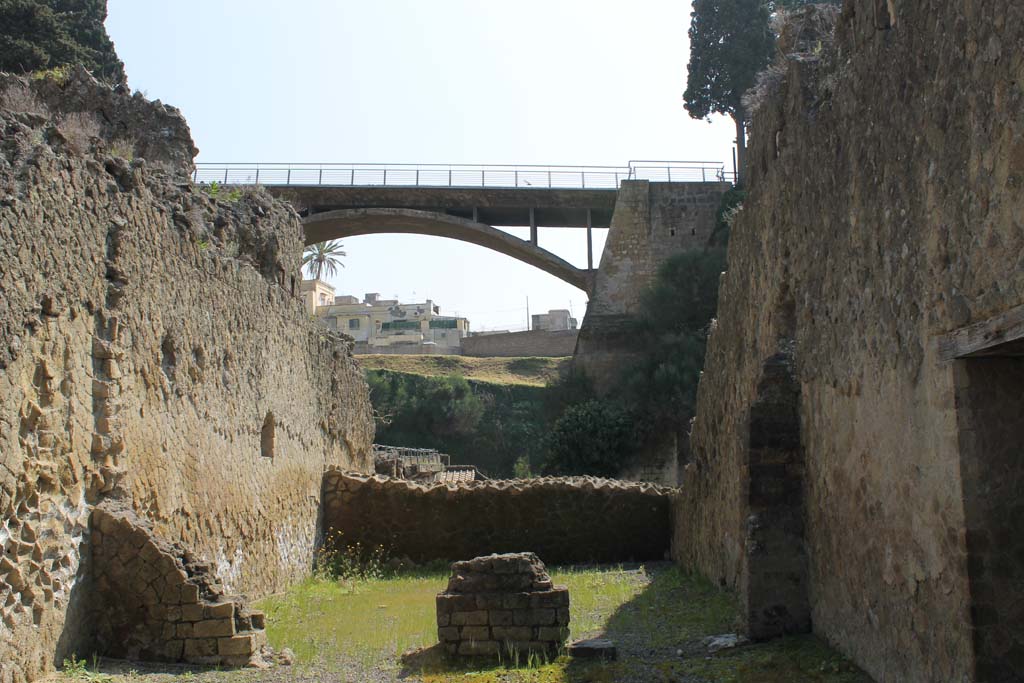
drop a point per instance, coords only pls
(543, 343)
(153, 349)
(883, 212)
(562, 520)
(652, 221)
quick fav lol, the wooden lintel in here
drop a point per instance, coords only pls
(980, 338)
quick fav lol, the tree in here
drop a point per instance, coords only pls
(323, 258)
(44, 34)
(596, 437)
(730, 42)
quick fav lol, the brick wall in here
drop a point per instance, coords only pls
(549, 344)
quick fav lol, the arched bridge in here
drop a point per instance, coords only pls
(351, 222)
(466, 203)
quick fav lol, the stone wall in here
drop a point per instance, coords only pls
(563, 520)
(652, 221)
(543, 343)
(883, 213)
(151, 348)
(148, 599)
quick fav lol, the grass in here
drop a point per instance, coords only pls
(529, 371)
(658, 618)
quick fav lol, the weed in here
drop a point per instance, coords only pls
(78, 670)
(122, 147)
(348, 562)
(218, 191)
(79, 129)
(58, 74)
(203, 244)
(20, 98)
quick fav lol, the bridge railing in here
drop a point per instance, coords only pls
(458, 175)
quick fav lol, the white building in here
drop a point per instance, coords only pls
(384, 325)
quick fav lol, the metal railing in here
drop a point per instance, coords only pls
(459, 175)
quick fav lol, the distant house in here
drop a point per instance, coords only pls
(553, 320)
(385, 325)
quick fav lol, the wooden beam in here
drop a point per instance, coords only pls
(980, 338)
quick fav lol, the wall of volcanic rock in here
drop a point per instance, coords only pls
(564, 520)
(884, 212)
(152, 348)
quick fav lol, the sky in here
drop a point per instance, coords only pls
(595, 82)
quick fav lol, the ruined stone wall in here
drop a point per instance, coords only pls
(563, 520)
(543, 343)
(152, 348)
(884, 210)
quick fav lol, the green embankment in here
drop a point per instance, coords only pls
(530, 371)
(491, 424)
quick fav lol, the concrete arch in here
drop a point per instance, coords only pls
(352, 222)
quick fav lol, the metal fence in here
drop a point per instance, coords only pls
(459, 175)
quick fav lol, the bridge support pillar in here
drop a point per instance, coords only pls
(651, 222)
(590, 241)
(533, 228)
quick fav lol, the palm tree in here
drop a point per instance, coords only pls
(323, 258)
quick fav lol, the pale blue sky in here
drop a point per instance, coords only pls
(428, 81)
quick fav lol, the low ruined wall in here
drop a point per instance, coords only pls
(544, 343)
(152, 348)
(883, 212)
(147, 598)
(563, 520)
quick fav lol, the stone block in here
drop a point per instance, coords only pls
(556, 597)
(515, 600)
(219, 610)
(185, 630)
(214, 628)
(512, 633)
(500, 617)
(489, 601)
(200, 647)
(443, 619)
(562, 616)
(257, 619)
(477, 618)
(189, 594)
(533, 617)
(556, 634)
(486, 648)
(239, 644)
(173, 649)
(448, 634)
(475, 633)
(192, 612)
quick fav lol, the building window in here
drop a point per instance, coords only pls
(323, 299)
(353, 324)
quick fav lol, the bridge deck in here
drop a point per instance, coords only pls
(564, 208)
(538, 196)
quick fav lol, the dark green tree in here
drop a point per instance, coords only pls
(596, 437)
(730, 42)
(43, 34)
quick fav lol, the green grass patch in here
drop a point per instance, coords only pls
(358, 630)
(529, 371)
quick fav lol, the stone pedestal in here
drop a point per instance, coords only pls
(502, 604)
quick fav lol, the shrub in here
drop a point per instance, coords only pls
(19, 98)
(595, 437)
(340, 561)
(79, 129)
